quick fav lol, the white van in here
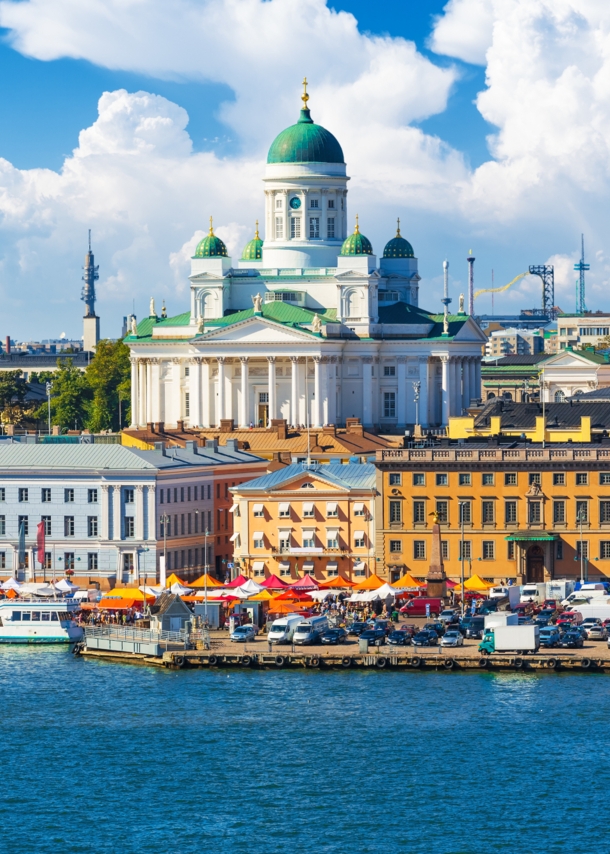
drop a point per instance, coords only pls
(534, 592)
(282, 630)
(310, 630)
(580, 597)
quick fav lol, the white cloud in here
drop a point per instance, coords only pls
(464, 30)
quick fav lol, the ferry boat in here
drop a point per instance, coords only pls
(36, 621)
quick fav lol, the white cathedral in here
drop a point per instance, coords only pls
(307, 325)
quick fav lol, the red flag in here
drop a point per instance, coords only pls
(40, 542)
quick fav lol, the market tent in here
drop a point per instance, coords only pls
(477, 583)
(274, 582)
(292, 596)
(288, 608)
(128, 593)
(37, 589)
(117, 604)
(237, 582)
(382, 592)
(336, 583)
(406, 582)
(173, 579)
(179, 589)
(250, 587)
(262, 596)
(451, 584)
(66, 586)
(206, 577)
(370, 583)
(305, 583)
(11, 584)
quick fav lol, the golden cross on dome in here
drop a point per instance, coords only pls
(256, 237)
(357, 229)
(398, 227)
(304, 96)
(211, 232)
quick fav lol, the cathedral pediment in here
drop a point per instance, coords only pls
(255, 330)
(201, 278)
(470, 331)
(569, 359)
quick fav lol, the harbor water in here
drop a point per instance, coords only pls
(103, 757)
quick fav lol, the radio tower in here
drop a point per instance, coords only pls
(91, 322)
(470, 260)
(581, 269)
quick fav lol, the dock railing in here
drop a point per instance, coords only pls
(127, 633)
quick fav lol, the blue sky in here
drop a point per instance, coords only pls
(521, 201)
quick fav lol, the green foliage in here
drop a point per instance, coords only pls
(70, 398)
(109, 380)
(13, 387)
(42, 377)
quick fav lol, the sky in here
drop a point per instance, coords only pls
(482, 124)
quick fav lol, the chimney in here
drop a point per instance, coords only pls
(329, 430)
(353, 426)
(226, 425)
(7, 345)
(212, 445)
(280, 426)
(180, 426)
(159, 427)
(191, 446)
(160, 446)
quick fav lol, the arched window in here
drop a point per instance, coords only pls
(507, 395)
(352, 304)
(578, 391)
(559, 397)
(207, 304)
(490, 395)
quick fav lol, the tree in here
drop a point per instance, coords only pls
(70, 396)
(13, 389)
(109, 379)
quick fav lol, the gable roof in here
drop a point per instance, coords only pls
(351, 476)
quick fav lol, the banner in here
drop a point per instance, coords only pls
(40, 544)
(162, 578)
(21, 546)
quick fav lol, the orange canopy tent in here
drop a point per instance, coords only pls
(475, 582)
(117, 604)
(407, 581)
(173, 579)
(336, 583)
(129, 593)
(373, 582)
(288, 607)
(201, 581)
(263, 596)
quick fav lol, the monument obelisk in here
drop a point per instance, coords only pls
(436, 580)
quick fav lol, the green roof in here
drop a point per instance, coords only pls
(456, 321)
(145, 326)
(253, 250)
(403, 312)
(356, 243)
(305, 142)
(279, 312)
(211, 246)
(398, 247)
(542, 536)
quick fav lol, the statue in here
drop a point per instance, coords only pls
(257, 302)
(134, 326)
(461, 303)
(446, 325)
(151, 310)
(200, 325)
(316, 324)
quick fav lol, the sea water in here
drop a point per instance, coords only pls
(101, 757)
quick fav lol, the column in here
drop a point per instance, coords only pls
(445, 391)
(323, 213)
(139, 512)
(105, 522)
(155, 369)
(286, 215)
(477, 376)
(424, 418)
(294, 396)
(243, 404)
(177, 391)
(332, 390)
(324, 387)
(466, 381)
(195, 392)
(475, 391)
(401, 398)
(454, 386)
(272, 388)
(149, 416)
(152, 512)
(367, 391)
(134, 392)
(317, 393)
(220, 391)
(338, 386)
(206, 388)
(228, 408)
(116, 512)
(142, 392)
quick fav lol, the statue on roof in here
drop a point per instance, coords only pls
(461, 304)
(151, 311)
(200, 325)
(257, 302)
(316, 324)
(163, 310)
(134, 326)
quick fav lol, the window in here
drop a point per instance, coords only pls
(331, 204)
(534, 478)
(559, 397)
(395, 512)
(92, 496)
(582, 512)
(419, 479)
(182, 529)
(187, 404)
(489, 550)
(442, 480)
(284, 541)
(279, 228)
(130, 527)
(92, 526)
(559, 553)
(442, 510)
(47, 560)
(330, 227)
(604, 480)
(332, 539)
(309, 540)
(359, 540)
(23, 495)
(258, 511)
(314, 227)
(128, 563)
(487, 479)
(129, 496)
(419, 512)
(313, 203)
(2, 493)
(389, 404)
(534, 512)
(259, 540)
(187, 372)
(308, 511)
(295, 227)
(487, 512)
(465, 511)
(389, 371)
(2, 526)
(419, 549)
(559, 478)
(68, 526)
(395, 546)
(23, 521)
(582, 549)
(182, 494)
(510, 551)
(467, 549)
(68, 560)
(47, 525)
(92, 562)
(510, 478)
(464, 479)
(444, 549)
(510, 512)
(604, 512)
(209, 491)
(582, 478)
(395, 479)
(284, 511)
(278, 203)
(45, 495)
(332, 509)
(68, 496)
(559, 512)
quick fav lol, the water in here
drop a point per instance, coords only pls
(101, 757)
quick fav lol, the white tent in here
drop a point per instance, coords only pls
(11, 584)
(66, 586)
(179, 589)
(33, 588)
(151, 591)
(383, 592)
(248, 588)
(81, 595)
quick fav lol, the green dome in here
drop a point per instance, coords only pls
(253, 250)
(398, 247)
(305, 142)
(211, 246)
(356, 243)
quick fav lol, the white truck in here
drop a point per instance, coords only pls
(559, 589)
(310, 630)
(510, 639)
(282, 630)
(513, 594)
(501, 618)
(586, 595)
(600, 610)
(535, 592)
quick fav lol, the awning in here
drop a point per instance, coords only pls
(332, 565)
(358, 535)
(331, 507)
(538, 537)
(233, 508)
(258, 508)
(308, 566)
(359, 507)
(234, 537)
(258, 565)
(308, 507)
(284, 509)
(332, 530)
(284, 565)
(257, 535)
(360, 565)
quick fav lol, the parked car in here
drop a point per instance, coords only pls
(357, 629)
(524, 609)
(597, 632)
(540, 620)
(449, 617)
(427, 637)
(476, 628)
(572, 617)
(549, 613)
(386, 625)
(437, 627)
(399, 638)
(551, 605)
(407, 627)
(244, 633)
(550, 636)
(452, 637)
(572, 640)
(374, 636)
(334, 636)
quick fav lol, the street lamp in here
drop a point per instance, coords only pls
(48, 386)
(461, 505)
(205, 577)
(164, 521)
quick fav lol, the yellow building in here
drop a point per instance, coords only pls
(530, 513)
(306, 518)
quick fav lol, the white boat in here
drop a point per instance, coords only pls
(39, 621)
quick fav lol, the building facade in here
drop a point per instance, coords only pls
(307, 325)
(529, 513)
(581, 330)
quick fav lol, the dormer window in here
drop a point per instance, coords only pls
(313, 203)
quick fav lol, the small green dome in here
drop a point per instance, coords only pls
(356, 243)
(398, 247)
(253, 250)
(211, 246)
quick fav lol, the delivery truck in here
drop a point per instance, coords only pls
(510, 639)
(534, 592)
(600, 609)
(559, 588)
(501, 618)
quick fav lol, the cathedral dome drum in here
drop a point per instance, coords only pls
(211, 246)
(357, 244)
(398, 247)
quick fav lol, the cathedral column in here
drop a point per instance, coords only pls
(155, 385)
(139, 512)
(294, 397)
(134, 392)
(220, 391)
(149, 391)
(195, 392)
(338, 386)
(243, 404)
(474, 391)
(324, 386)
(205, 393)
(466, 390)
(142, 390)
(367, 391)
(317, 392)
(228, 407)
(177, 390)
(401, 402)
(424, 417)
(477, 377)
(332, 390)
(285, 215)
(271, 387)
(445, 391)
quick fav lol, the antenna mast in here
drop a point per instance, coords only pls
(581, 268)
